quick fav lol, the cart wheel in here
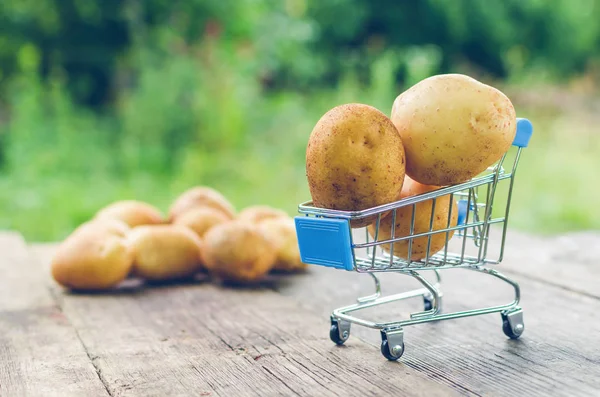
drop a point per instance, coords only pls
(427, 303)
(395, 340)
(515, 329)
(385, 350)
(334, 333)
(508, 331)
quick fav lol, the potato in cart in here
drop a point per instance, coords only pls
(441, 218)
(453, 128)
(354, 160)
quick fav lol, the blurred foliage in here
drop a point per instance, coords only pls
(298, 43)
(109, 100)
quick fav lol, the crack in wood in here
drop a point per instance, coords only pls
(91, 357)
(280, 380)
(212, 386)
(310, 374)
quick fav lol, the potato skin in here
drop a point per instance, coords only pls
(260, 213)
(238, 252)
(201, 219)
(453, 127)
(132, 212)
(422, 220)
(96, 256)
(282, 232)
(200, 196)
(165, 252)
(354, 160)
(107, 224)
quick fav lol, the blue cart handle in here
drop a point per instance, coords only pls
(524, 132)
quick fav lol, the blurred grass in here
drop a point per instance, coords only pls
(191, 123)
(555, 188)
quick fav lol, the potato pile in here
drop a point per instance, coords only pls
(201, 234)
(442, 131)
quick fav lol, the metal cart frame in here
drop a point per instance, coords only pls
(325, 238)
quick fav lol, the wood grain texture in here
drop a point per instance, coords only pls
(210, 340)
(40, 352)
(570, 261)
(214, 341)
(23, 286)
(557, 355)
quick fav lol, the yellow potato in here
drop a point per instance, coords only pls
(354, 160)
(165, 252)
(200, 196)
(96, 256)
(238, 251)
(422, 221)
(453, 127)
(201, 219)
(260, 213)
(115, 226)
(282, 232)
(132, 212)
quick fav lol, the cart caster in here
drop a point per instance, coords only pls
(428, 302)
(339, 331)
(512, 323)
(392, 344)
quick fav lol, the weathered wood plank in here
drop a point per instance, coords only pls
(40, 352)
(557, 355)
(570, 261)
(23, 285)
(208, 340)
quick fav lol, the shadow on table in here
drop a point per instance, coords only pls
(133, 285)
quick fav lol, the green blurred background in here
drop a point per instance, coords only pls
(131, 99)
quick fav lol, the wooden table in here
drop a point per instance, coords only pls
(201, 339)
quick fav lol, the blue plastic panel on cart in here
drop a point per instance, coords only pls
(524, 132)
(325, 242)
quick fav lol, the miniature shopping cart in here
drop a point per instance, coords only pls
(475, 242)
